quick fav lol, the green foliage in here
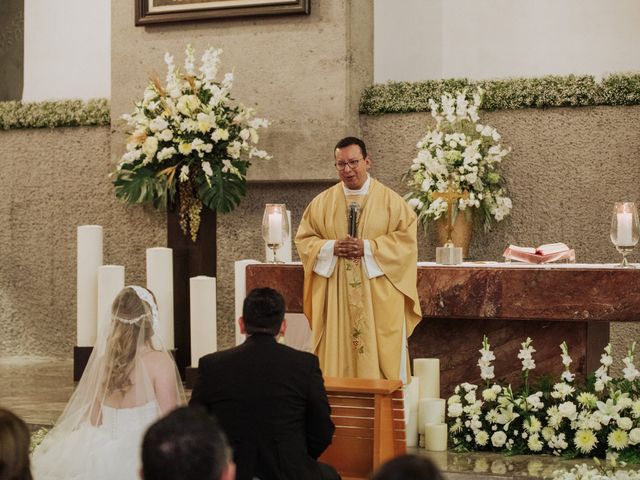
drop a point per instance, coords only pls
(506, 94)
(226, 189)
(65, 113)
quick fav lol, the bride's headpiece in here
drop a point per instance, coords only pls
(146, 296)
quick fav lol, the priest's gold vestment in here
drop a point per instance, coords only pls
(359, 325)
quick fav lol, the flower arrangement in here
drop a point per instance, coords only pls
(600, 418)
(459, 155)
(189, 137)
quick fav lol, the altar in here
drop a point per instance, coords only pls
(508, 302)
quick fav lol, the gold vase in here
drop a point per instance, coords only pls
(461, 233)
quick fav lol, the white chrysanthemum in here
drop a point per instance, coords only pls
(562, 391)
(585, 441)
(618, 439)
(547, 433)
(635, 409)
(532, 425)
(482, 438)
(220, 134)
(587, 399)
(158, 124)
(489, 395)
(534, 443)
(166, 153)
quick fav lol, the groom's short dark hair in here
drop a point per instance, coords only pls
(263, 311)
(185, 444)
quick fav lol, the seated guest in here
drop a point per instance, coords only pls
(186, 444)
(14, 447)
(408, 467)
(269, 398)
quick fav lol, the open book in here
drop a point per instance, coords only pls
(550, 252)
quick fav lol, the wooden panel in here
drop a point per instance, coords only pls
(353, 422)
(351, 412)
(351, 457)
(353, 432)
(351, 401)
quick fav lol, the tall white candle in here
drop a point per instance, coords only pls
(160, 282)
(110, 282)
(430, 411)
(625, 235)
(412, 428)
(241, 292)
(284, 253)
(89, 251)
(428, 370)
(275, 227)
(204, 336)
(435, 437)
(412, 393)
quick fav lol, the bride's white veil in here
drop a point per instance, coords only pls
(129, 372)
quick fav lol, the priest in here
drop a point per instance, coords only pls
(357, 242)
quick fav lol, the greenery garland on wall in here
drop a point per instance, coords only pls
(392, 97)
(507, 94)
(63, 113)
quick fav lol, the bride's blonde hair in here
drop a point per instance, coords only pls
(129, 314)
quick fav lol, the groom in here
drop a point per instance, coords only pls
(269, 398)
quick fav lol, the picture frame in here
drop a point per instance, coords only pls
(149, 12)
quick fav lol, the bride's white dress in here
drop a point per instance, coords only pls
(110, 451)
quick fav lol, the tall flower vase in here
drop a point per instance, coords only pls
(190, 259)
(461, 234)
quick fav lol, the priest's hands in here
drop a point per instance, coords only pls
(349, 247)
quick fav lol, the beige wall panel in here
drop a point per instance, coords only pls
(304, 73)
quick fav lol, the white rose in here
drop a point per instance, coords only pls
(455, 410)
(413, 202)
(498, 439)
(568, 410)
(471, 396)
(634, 436)
(166, 135)
(158, 124)
(625, 423)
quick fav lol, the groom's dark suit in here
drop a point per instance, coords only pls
(271, 402)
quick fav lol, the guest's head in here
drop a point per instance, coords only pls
(263, 312)
(14, 447)
(352, 162)
(184, 445)
(408, 467)
(131, 328)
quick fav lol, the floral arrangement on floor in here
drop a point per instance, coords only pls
(600, 471)
(599, 418)
(189, 137)
(462, 156)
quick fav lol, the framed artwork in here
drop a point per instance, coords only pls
(163, 11)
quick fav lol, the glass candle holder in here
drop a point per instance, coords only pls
(625, 229)
(275, 227)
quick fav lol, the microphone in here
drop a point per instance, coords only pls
(352, 219)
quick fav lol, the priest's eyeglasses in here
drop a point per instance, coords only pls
(353, 164)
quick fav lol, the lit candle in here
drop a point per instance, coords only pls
(275, 228)
(283, 254)
(625, 236)
(435, 437)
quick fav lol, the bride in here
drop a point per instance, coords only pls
(129, 382)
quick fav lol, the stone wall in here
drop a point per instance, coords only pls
(567, 168)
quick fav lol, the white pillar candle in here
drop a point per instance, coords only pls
(160, 282)
(89, 251)
(284, 253)
(625, 235)
(430, 411)
(204, 334)
(412, 393)
(435, 437)
(428, 370)
(275, 228)
(412, 428)
(240, 293)
(110, 282)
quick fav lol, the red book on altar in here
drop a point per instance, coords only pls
(551, 252)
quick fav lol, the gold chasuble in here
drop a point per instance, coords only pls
(359, 325)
